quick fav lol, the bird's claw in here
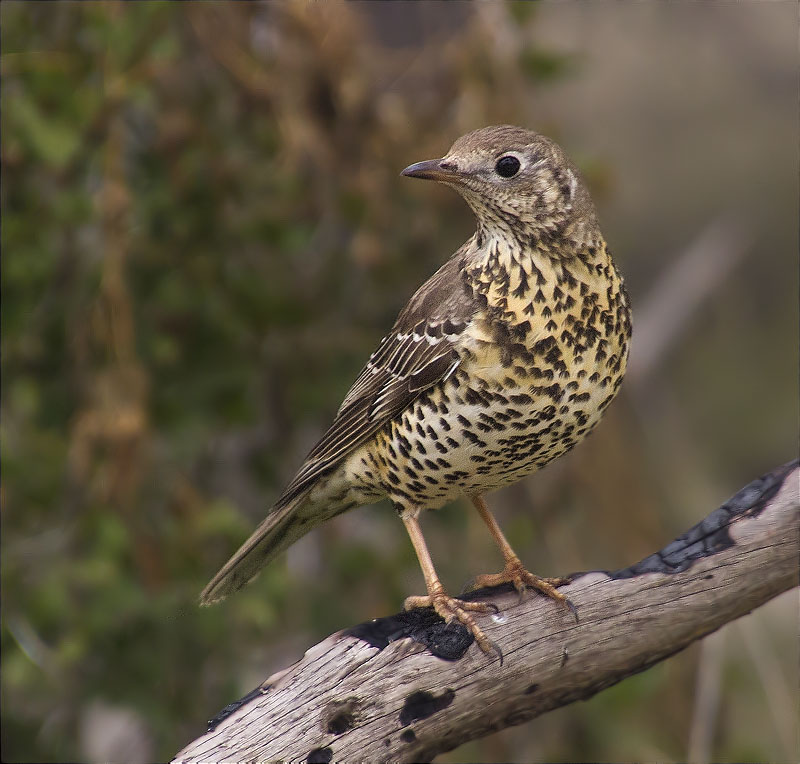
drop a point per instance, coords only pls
(514, 573)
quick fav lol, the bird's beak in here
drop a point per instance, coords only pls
(433, 169)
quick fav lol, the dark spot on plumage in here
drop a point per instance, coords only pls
(399, 492)
(550, 326)
(463, 420)
(521, 288)
(451, 442)
(487, 419)
(521, 398)
(521, 329)
(473, 438)
(567, 278)
(553, 355)
(473, 397)
(539, 296)
(440, 448)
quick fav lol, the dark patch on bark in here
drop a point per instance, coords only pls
(422, 704)
(319, 756)
(341, 716)
(423, 625)
(408, 736)
(712, 534)
(231, 707)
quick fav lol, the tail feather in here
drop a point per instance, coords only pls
(279, 530)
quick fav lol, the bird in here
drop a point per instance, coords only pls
(502, 361)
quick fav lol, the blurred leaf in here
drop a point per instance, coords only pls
(54, 142)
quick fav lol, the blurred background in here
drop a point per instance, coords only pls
(204, 236)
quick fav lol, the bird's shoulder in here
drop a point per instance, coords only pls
(422, 344)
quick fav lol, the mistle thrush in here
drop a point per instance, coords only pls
(502, 361)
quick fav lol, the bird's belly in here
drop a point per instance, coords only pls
(469, 436)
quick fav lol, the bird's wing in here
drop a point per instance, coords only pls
(419, 352)
(404, 365)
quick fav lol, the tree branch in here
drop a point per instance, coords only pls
(407, 687)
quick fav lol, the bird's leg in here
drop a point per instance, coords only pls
(447, 607)
(514, 571)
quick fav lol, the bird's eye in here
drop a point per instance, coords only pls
(507, 166)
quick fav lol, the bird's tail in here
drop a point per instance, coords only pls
(282, 527)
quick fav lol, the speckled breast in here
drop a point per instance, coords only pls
(534, 379)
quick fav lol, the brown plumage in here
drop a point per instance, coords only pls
(503, 360)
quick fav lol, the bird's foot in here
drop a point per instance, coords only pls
(452, 609)
(515, 573)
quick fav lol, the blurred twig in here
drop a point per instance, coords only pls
(695, 274)
(706, 701)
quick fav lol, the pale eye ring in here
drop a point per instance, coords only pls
(507, 166)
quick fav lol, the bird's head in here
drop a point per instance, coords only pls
(513, 179)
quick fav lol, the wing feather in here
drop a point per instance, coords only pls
(404, 365)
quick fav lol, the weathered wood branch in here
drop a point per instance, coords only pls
(379, 692)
